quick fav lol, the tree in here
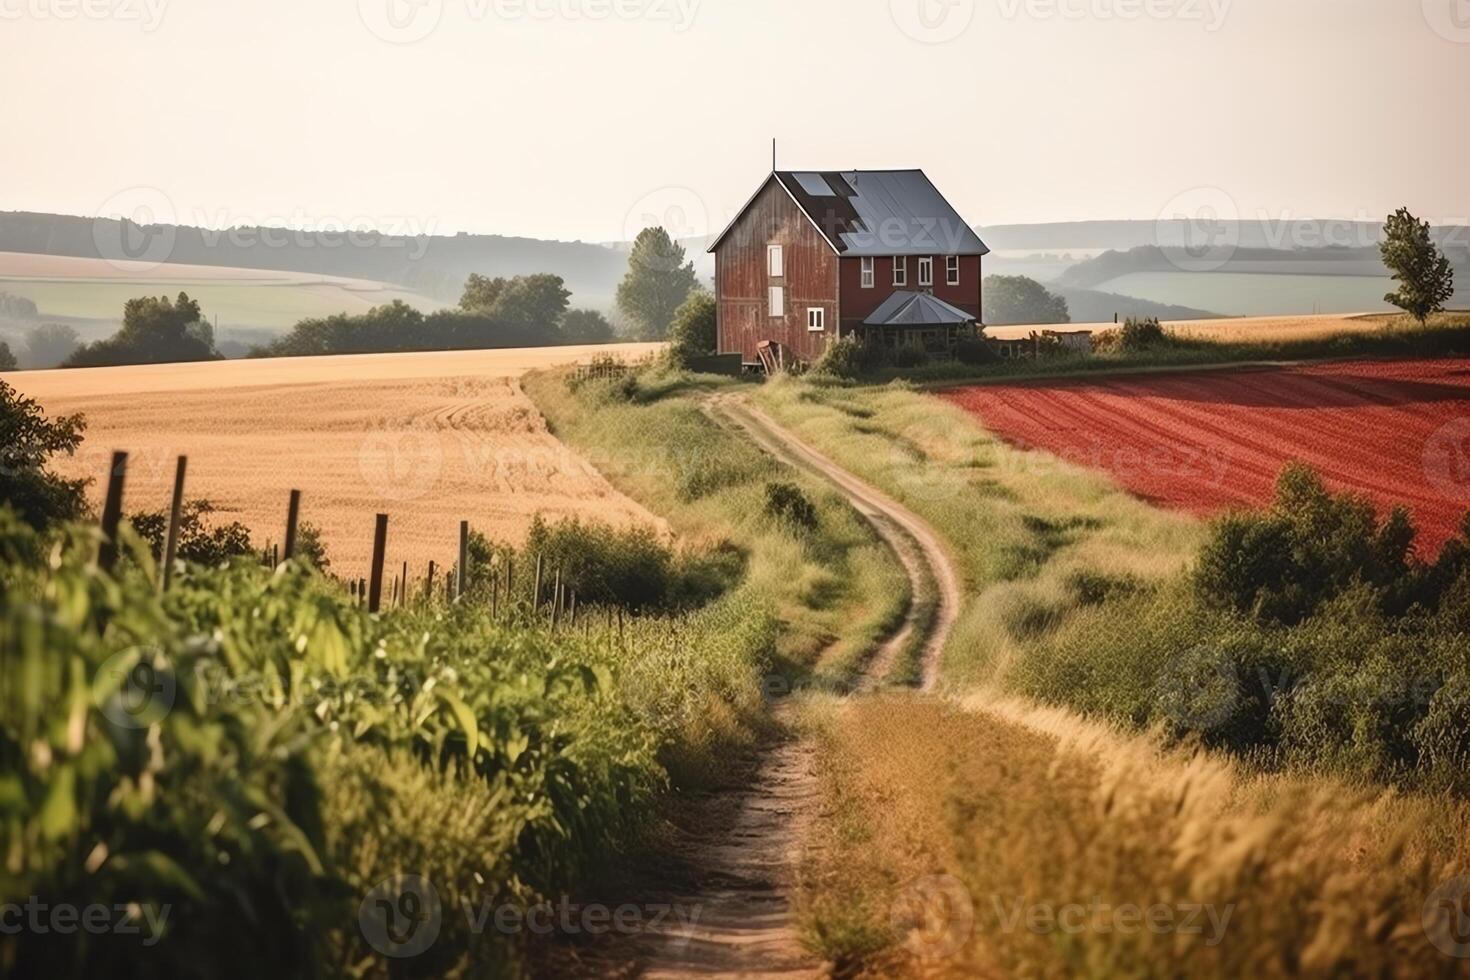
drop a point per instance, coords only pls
(28, 440)
(1425, 278)
(586, 327)
(524, 301)
(50, 344)
(658, 281)
(1018, 299)
(154, 331)
(694, 332)
(480, 293)
(532, 301)
(7, 358)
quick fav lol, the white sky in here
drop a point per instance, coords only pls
(532, 117)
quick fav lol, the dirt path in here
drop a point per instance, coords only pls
(735, 854)
(919, 549)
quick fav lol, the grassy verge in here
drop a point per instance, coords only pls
(1065, 577)
(833, 587)
(995, 839)
(1446, 333)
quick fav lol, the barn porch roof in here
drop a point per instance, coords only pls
(906, 308)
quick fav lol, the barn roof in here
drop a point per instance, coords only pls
(907, 308)
(878, 212)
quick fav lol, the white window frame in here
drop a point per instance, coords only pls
(900, 270)
(776, 261)
(926, 270)
(870, 278)
(777, 301)
(816, 319)
(952, 270)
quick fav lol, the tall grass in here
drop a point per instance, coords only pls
(997, 839)
(832, 586)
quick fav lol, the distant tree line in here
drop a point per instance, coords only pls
(524, 311)
(155, 330)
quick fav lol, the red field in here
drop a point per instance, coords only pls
(1398, 431)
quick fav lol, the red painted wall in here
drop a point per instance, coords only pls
(742, 279)
(858, 303)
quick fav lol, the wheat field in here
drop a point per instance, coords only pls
(429, 439)
(1233, 329)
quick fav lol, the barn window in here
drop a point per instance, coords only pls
(953, 264)
(776, 261)
(816, 319)
(900, 270)
(778, 301)
(868, 276)
(926, 270)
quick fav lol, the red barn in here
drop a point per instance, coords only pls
(813, 256)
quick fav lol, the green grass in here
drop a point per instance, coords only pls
(835, 590)
(1034, 537)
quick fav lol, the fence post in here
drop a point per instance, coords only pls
(510, 562)
(429, 588)
(464, 559)
(494, 598)
(556, 600)
(112, 511)
(536, 590)
(403, 593)
(175, 514)
(293, 515)
(380, 547)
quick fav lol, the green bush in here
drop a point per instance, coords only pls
(974, 351)
(847, 358)
(908, 357)
(1142, 333)
(28, 440)
(632, 569)
(789, 506)
(198, 542)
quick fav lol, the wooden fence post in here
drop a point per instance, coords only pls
(403, 593)
(536, 590)
(462, 579)
(380, 548)
(494, 598)
(175, 514)
(429, 588)
(112, 511)
(293, 515)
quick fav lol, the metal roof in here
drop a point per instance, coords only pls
(883, 212)
(906, 308)
(875, 212)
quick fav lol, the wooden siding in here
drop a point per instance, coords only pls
(742, 282)
(859, 303)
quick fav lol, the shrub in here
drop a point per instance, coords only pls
(155, 330)
(199, 543)
(629, 568)
(848, 358)
(1141, 333)
(974, 351)
(788, 505)
(908, 357)
(1311, 546)
(694, 332)
(28, 440)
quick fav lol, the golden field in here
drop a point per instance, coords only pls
(1230, 329)
(429, 439)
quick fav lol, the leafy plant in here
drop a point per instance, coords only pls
(788, 505)
(28, 440)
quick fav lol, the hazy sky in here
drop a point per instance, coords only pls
(581, 118)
